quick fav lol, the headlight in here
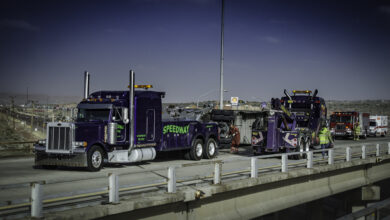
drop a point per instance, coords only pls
(80, 144)
(42, 142)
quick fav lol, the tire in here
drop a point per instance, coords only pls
(300, 148)
(196, 151)
(95, 157)
(307, 144)
(210, 150)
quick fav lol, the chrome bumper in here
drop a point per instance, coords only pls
(69, 160)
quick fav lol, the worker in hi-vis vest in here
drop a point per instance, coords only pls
(325, 139)
(356, 132)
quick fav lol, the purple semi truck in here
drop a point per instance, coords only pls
(292, 125)
(278, 131)
(309, 109)
(122, 127)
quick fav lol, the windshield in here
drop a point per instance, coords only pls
(341, 119)
(301, 106)
(93, 114)
(372, 123)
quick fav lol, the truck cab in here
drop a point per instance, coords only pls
(343, 124)
(101, 127)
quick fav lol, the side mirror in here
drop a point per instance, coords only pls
(125, 115)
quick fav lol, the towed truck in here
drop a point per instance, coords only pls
(278, 131)
(242, 119)
(122, 127)
(343, 124)
(310, 112)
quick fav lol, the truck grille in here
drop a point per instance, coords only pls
(340, 127)
(59, 138)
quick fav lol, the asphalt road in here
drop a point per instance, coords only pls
(20, 170)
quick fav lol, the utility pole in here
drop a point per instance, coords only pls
(13, 111)
(221, 62)
(46, 114)
(32, 115)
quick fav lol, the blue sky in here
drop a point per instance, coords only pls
(340, 47)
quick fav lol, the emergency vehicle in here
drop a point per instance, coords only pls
(378, 125)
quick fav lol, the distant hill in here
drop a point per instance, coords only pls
(374, 107)
(20, 99)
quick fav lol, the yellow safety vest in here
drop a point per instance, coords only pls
(357, 129)
(324, 136)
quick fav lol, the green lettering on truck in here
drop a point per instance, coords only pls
(175, 129)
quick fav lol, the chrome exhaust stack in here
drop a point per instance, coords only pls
(131, 112)
(289, 97)
(315, 93)
(86, 85)
(132, 154)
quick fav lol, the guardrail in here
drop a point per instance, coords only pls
(37, 199)
(29, 147)
(18, 142)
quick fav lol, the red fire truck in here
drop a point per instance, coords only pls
(343, 124)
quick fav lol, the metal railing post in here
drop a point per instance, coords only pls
(254, 167)
(348, 154)
(36, 200)
(364, 152)
(217, 173)
(172, 179)
(113, 188)
(309, 159)
(330, 156)
(284, 163)
(378, 150)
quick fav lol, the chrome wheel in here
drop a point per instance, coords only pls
(212, 148)
(199, 150)
(307, 145)
(96, 159)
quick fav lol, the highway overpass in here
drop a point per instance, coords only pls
(147, 190)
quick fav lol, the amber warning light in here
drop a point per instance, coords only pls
(142, 86)
(302, 91)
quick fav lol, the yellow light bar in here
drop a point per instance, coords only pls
(301, 91)
(142, 86)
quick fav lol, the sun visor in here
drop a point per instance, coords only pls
(94, 106)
